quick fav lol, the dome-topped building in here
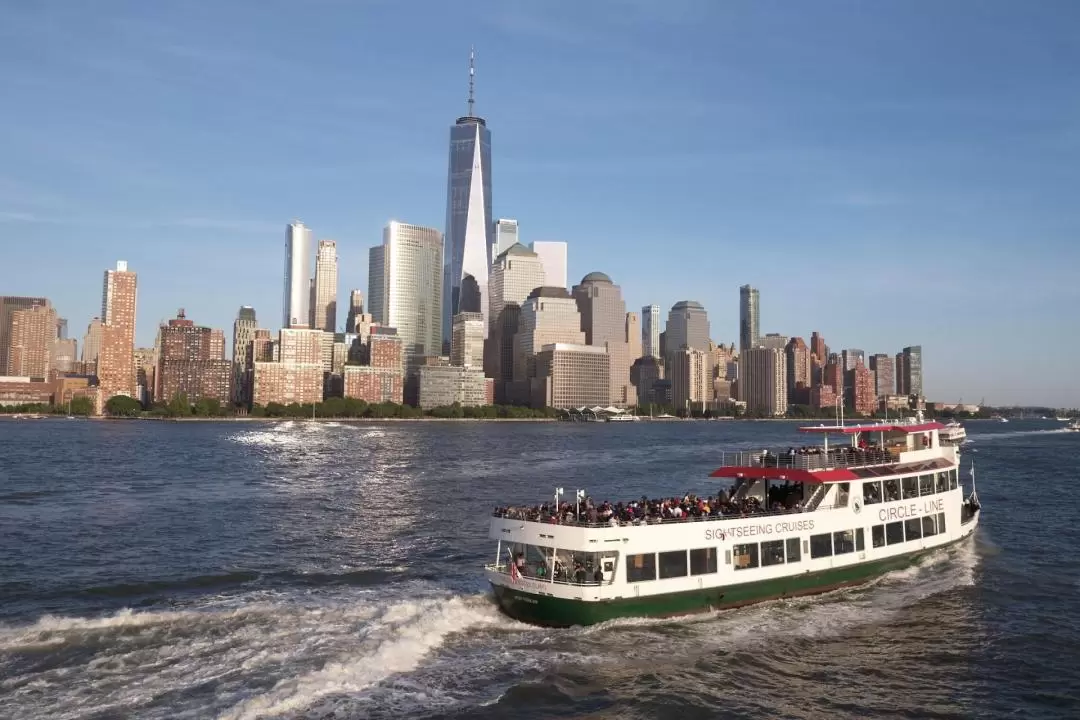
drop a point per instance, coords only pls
(596, 277)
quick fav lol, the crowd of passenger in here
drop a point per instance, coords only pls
(782, 498)
(814, 456)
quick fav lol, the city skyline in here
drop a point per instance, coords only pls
(930, 194)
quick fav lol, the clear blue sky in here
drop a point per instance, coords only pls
(889, 173)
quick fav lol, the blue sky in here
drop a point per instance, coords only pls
(889, 173)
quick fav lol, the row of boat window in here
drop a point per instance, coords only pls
(777, 552)
(909, 488)
(900, 531)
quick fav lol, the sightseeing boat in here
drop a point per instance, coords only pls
(794, 522)
(953, 433)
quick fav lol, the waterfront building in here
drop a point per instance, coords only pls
(913, 374)
(63, 355)
(633, 335)
(550, 315)
(295, 374)
(506, 235)
(883, 368)
(116, 359)
(650, 331)
(467, 342)
(380, 375)
(356, 309)
(723, 360)
(822, 397)
(552, 256)
(8, 305)
(324, 310)
(571, 375)
(644, 373)
(763, 380)
(690, 372)
(603, 320)
(146, 361)
(902, 388)
(244, 327)
(516, 272)
(442, 385)
(470, 232)
(191, 362)
(405, 287)
(833, 376)
(818, 348)
(30, 339)
(861, 392)
(296, 301)
(91, 346)
(749, 318)
(798, 358)
(687, 326)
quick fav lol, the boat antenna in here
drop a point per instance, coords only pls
(472, 75)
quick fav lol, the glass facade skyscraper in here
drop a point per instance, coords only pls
(749, 318)
(470, 230)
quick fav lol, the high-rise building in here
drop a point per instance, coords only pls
(244, 328)
(552, 255)
(687, 326)
(325, 309)
(297, 296)
(650, 331)
(633, 335)
(514, 275)
(832, 375)
(191, 362)
(913, 374)
(61, 329)
(506, 234)
(295, 374)
(690, 373)
(63, 355)
(749, 318)
(467, 342)
(861, 394)
(776, 341)
(381, 379)
(644, 373)
(405, 287)
(852, 357)
(442, 385)
(8, 305)
(146, 373)
(818, 348)
(470, 232)
(92, 344)
(116, 360)
(603, 320)
(356, 309)
(798, 362)
(570, 376)
(884, 375)
(900, 369)
(32, 333)
(763, 380)
(550, 315)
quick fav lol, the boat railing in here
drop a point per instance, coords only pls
(817, 459)
(669, 521)
(504, 569)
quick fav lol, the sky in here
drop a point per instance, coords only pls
(887, 173)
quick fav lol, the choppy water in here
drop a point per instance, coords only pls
(154, 570)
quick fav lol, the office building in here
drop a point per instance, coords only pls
(603, 320)
(644, 373)
(191, 362)
(244, 327)
(324, 312)
(549, 316)
(298, 281)
(470, 230)
(467, 342)
(798, 362)
(818, 348)
(515, 273)
(763, 381)
(773, 341)
(749, 318)
(63, 355)
(883, 368)
(443, 385)
(116, 359)
(405, 287)
(861, 392)
(650, 331)
(8, 305)
(506, 235)
(91, 345)
(687, 326)
(356, 308)
(913, 373)
(552, 256)
(570, 375)
(691, 374)
(633, 335)
(31, 334)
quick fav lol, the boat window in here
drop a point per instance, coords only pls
(746, 556)
(911, 487)
(641, 567)
(860, 543)
(772, 553)
(871, 492)
(703, 561)
(912, 529)
(952, 479)
(942, 480)
(877, 535)
(727, 557)
(843, 542)
(821, 545)
(894, 532)
(892, 490)
(793, 554)
(672, 564)
(941, 523)
(928, 526)
(842, 492)
(926, 484)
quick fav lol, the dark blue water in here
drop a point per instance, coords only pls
(160, 570)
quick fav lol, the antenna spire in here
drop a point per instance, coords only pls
(472, 75)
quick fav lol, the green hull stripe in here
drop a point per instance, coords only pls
(560, 612)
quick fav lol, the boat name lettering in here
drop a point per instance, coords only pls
(911, 510)
(777, 528)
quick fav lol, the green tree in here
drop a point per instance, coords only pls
(122, 406)
(178, 406)
(207, 407)
(83, 406)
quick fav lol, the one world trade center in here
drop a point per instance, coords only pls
(469, 228)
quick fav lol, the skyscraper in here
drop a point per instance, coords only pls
(913, 377)
(884, 375)
(633, 335)
(603, 320)
(297, 297)
(116, 359)
(749, 318)
(30, 341)
(191, 362)
(506, 234)
(798, 371)
(549, 315)
(650, 331)
(763, 380)
(467, 343)
(470, 232)
(8, 305)
(818, 348)
(852, 357)
(326, 286)
(514, 275)
(687, 326)
(356, 309)
(92, 343)
(244, 328)
(405, 286)
(553, 256)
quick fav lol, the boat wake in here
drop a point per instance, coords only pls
(1017, 433)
